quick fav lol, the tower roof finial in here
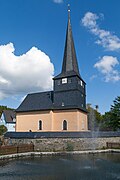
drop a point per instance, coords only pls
(69, 11)
(68, 7)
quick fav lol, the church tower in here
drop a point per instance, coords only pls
(69, 87)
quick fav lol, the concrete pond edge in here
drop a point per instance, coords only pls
(20, 155)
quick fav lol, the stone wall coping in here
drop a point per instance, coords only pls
(36, 135)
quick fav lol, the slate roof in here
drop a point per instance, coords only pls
(9, 116)
(70, 65)
(37, 101)
(68, 74)
(42, 101)
(65, 74)
(70, 107)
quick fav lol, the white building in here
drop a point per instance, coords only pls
(8, 119)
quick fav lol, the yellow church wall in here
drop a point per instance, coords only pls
(82, 121)
(69, 116)
(52, 121)
(74, 120)
(30, 121)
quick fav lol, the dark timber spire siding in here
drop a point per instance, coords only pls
(70, 64)
(69, 59)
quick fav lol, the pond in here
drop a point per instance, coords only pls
(105, 166)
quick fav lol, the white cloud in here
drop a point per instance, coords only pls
(89, 20)
(105, 38)
(58, 1)
(106, 65)
(94, 76)
(29, 72)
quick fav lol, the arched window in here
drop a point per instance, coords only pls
(64, 125)
(40, 125)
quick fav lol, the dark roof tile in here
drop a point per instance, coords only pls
(37, 101)
(9, 116)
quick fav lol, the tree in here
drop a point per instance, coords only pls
(105, 125)
(3, 129)
(115, 114)
(111, 119)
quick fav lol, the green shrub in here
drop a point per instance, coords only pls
(3, 129)
(70, 146)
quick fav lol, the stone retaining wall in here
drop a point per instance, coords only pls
(66, 144)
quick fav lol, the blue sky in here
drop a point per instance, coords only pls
(32, 39)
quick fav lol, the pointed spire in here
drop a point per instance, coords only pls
(69, 60)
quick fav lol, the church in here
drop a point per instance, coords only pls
(64, 108)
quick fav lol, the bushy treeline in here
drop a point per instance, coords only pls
(110, 121)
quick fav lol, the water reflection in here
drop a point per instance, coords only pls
(3, 163)
(73, 167)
